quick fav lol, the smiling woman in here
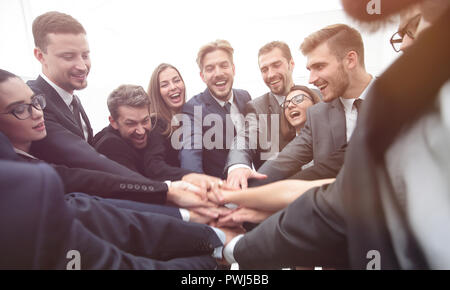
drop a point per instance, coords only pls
(21, 118)
(299, 99)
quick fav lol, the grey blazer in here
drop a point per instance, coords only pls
(324, 134)
(268, 105)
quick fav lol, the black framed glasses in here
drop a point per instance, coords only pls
(297, 99)
(24, 111)
(409, 29)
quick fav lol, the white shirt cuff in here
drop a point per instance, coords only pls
(236, 166)
(221, 235)
(228, 252)
(185, 215)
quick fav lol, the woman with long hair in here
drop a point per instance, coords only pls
(167, 94)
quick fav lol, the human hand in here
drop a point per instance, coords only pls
(207, 215)
(237, 178)
(242, 215)
(203, 181)
(186, 195)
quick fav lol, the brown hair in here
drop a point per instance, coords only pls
(213, 46)
(127, 95)
(340, 39)
(286, 129)
(54, 22)
(159, 109)
(276, 44)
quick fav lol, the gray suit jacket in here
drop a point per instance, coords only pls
(324, 134)
(261, 145)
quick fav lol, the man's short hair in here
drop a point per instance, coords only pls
(276, 44)
(340, 39)
(127, 95)
(213, 46)
(54, 22)
(6, 75)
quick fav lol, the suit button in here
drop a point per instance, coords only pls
(151, 188)
(122, 186)
(137, 186)
(130, 186)
(144, 187)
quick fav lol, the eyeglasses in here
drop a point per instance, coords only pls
(24, 111)
(295, 100)
(409, 29)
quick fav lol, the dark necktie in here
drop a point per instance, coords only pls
(227, 107)
(76, 112)
(357, 103)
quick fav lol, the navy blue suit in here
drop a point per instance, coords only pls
(39, 225)
(210, 161)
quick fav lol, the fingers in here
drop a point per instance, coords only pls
(209, 212)
(243, 182)
(257, 175)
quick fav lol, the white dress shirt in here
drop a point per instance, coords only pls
(67, 98)
(351, 113)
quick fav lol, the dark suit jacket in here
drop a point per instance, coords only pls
(208, 161)
(268, 105)
(323, 134)
(161, 160)
(158, 160)
(109, 143)
(65, 142)
(39, 227)
(340, 223)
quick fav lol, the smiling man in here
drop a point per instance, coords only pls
(335, 59)
(125, 139)
(210, 111)
(276, 65)
(62, 48)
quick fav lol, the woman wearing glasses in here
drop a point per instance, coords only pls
(298, 100)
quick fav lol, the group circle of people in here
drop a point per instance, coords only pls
(298, 176)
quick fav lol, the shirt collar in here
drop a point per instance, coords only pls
(65, 96)
(348, 103)
(280, 99)
(222, 103)
(20, 152)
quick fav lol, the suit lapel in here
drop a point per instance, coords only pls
(239, 101)
(211, 104)
(57, 107)
(336, 119)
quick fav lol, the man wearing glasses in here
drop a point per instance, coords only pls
(335, 59)
(407, 28)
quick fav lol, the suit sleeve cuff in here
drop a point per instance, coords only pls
(185, 215)
(236, 166)
(228, 252)
(218, 251)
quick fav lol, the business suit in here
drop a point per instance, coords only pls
(339, 224)
(38, 227)
(65, 143)
(324, 134)
(268, 105)
(208, 161)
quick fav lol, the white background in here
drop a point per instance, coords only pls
(129, 38)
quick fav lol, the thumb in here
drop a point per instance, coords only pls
(257, 175)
